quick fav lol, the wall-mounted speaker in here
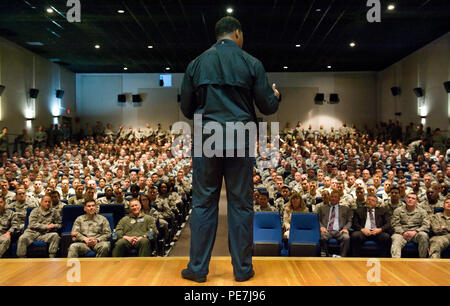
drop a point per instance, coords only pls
(179, 98)
(334, 98)
(2, 88)
(122, 98)
(398, 114)
(34, 93)
(447, 86)
(418, 91)
(60, 93)
(319, 98)
(137, 98)
(395, 91)
(161, 82)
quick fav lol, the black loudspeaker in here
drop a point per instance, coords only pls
(34, 93)
(395, 91)
(320, 97)
(60, 94)
(179, 98)
(418, 91)
(2, 88)
(161, 82)
(447, 86)
(122, 98)
(334, 98)
(398, 114)
(137, 98)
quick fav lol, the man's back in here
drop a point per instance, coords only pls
(221, 83)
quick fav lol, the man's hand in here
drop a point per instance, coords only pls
(409, 235)
(345, 231)
(7, 235)
(376, 231)
(366, 232)
(323, 230)
(275, 91)
(50, 226)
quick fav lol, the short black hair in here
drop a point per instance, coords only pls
(227, 25)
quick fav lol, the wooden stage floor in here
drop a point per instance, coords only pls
(270, 271)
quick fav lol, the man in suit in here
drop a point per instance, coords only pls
(335, 221)
(371, 223)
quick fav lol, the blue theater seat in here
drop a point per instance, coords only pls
(267, 234)
(304, 235)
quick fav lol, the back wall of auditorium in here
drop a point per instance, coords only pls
(365, 97)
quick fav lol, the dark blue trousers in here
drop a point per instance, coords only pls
(206, 186)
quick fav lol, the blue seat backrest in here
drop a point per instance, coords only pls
(118, 211)
(438, 209)
(69, 214)
(110, 218)
(304, 228)
(100, 195)
(29, 209)
(267, 227)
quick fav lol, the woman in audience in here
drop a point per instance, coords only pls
(295, 205)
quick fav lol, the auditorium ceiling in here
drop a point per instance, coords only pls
(155, 36)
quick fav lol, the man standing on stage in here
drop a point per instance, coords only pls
(220, 85)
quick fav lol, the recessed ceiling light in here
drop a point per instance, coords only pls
(167, 68)
(297, 46)
(329, 67)
(50, 10)
(319, 10)
(352, 44)
(97, 46)
(229, 10)
(120, 11)
(391, 7)
(150, 47)
(285, 67)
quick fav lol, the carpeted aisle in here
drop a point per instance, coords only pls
(181, 247)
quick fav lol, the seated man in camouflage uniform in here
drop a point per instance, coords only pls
(90, 232)
(440, 225)
(20, 206)
(135, 231)
(44, 221)
(263, 203)
(410, 223)
(7, 225)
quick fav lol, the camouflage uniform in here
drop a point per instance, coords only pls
(355, 204)
(85, 227)
(8, 222)
(416, 220)
(391, 207)
(440, 225)
(280, 203)
(21, 212)
(141, 226)
(268, 208)
(429, 208)
(75, 201)
(37, 231)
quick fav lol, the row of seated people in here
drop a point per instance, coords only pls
(391, 225)
(158, 202)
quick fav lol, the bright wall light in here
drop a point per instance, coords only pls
(29, 124)
(56, 108)
(29, 113)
